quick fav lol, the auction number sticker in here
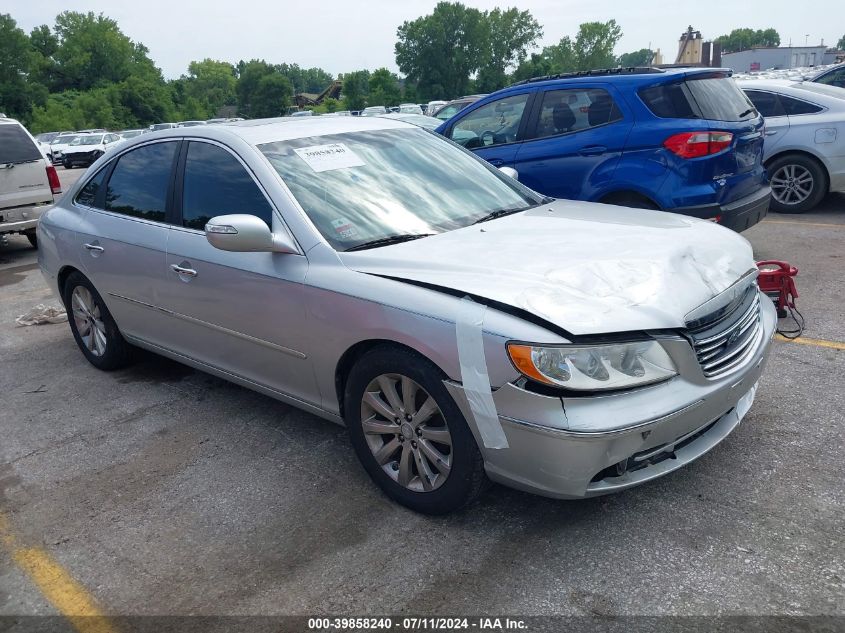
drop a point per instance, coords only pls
(328, 157)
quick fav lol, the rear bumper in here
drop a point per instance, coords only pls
(737, 215)
(19, 219)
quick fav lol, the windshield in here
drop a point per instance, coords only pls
(63, 139)
(720, 99)
(87, 140)
(363, 186)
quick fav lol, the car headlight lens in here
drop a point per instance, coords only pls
(594, 367)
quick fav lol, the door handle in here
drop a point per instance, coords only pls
(188, 272)
(94, 248)
(771, 132)
(592, 150)
(496, 162)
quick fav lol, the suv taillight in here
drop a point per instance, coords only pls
(697, 144)
(53, 178)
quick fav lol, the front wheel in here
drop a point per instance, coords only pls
(798, 183)
(67, 164)
(92, 325)
(409, 434)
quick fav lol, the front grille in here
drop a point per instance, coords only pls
(723, 347)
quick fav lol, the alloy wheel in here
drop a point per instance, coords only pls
(792, 184)
(88, 320)
(406, 432)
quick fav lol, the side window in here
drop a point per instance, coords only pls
(767, 103)
(836, 78)
(88, 195)
(217, 184)
(796, 106)
(573, 110)
(138, 185)
(492, 124)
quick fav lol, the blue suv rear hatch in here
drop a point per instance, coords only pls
(720, 157)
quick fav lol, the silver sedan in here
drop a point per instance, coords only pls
(805, 140)
(463, 327)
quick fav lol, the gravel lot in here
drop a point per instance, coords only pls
(163, 490)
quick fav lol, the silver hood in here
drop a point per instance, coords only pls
(587, 268)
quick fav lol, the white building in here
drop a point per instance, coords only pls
(766, 58)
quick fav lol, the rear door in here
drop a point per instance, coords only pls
(573, 141)
(494, 130)
(23, 170)
(123, 247)
(777, 122)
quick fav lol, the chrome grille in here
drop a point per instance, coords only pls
(720, 352)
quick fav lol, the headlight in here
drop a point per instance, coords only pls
(594, 367)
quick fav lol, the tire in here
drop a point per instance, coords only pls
(107, 350)
(464, 479)
(67, 164)
(632, 200)
(33, 239)
(787, 173)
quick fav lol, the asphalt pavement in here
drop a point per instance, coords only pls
(159, 489)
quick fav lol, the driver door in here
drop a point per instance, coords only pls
(494, 130)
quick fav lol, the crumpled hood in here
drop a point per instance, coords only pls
(588, 268)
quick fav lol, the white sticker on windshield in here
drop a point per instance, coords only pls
(327, 157)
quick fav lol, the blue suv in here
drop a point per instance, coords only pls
(685, 140)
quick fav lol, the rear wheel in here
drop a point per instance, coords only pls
(92, 325)
(798, 183)
(409, 434)
(33, 239)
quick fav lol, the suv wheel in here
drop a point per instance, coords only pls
(33, 239)
(409, 434)
(798, 183)
(92, 325)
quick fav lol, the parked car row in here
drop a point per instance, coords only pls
(462, 326)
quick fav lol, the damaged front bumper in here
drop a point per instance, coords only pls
(575, 447)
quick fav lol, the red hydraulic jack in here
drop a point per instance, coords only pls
(777, 280)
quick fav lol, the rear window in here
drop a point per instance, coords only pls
(715, 98)
(720, 99)
(16, 146)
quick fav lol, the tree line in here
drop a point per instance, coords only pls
(85, 72)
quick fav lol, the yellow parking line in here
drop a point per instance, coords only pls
(56, 584)
(838, 226)
(815, 342)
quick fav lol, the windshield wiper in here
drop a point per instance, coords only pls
(499, 213)
(748, 111)
(387, 241)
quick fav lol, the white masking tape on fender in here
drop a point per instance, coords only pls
(468, 328)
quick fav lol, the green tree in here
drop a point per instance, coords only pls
(356, 88)
(384, 88)
(92, 51)
(15, 63)
(440, 51)
(642, 57)
(538, 65)
(510, 34)
(272, 96)
(744, 38)
(211, 84)
(841, 43)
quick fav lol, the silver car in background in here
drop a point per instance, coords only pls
(805, 140)
(377, 275)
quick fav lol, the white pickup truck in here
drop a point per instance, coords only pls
(27, 182)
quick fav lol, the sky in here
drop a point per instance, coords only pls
(345, 35)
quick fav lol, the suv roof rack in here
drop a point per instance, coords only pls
(602, 72)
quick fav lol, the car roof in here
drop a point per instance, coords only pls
(623, 75)
(258, 131)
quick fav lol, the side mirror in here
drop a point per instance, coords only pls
(510, 172)
(243, 233)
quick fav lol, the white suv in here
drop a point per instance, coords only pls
(27, 182)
